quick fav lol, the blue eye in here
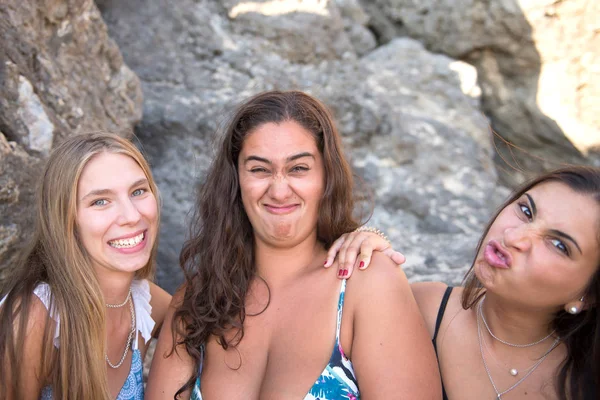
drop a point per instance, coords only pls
(100, 202)
(526, 210)
(559, 244)
(138, 192)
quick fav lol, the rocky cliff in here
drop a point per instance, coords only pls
(416, 87)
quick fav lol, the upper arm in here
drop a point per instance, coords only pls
(429, 296)
(30, 380)
(170, 370)
(159, 301)
(391, 351)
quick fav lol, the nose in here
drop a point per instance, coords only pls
(518, 237)
(129, 213)
(279, 189)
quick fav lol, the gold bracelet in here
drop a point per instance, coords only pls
(372, 230)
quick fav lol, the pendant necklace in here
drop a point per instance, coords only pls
(487, 370)
(511, 371)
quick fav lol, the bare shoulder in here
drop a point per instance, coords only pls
(429, 298)
(382, 273)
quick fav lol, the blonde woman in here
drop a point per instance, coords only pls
(80, 308)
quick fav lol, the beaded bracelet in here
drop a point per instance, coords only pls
(372, 230)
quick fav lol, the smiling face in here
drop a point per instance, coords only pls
(281, 177)
(543, 248)
(117, 213)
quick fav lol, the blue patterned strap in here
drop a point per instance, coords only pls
(340, 307)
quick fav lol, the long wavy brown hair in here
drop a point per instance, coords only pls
(218, 259)
(579, 375)
(56, 256)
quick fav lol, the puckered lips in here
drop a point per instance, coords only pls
(496, 256)
(130, 243)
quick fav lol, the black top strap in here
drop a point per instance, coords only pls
(440, 315)
(438, 322)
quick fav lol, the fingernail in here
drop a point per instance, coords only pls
(361, 265)
(345, 272)
(325, 263)
(341, 272)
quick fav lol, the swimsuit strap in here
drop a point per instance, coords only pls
(340, 307)
(440, 315)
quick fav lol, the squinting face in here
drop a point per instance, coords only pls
(117, 214)
(542, 250)
(282, 181)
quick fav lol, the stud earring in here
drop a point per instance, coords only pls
(573, 310)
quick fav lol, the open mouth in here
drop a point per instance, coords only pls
(127, 243)
(495, 255)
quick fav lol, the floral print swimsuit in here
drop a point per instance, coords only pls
(337, 381)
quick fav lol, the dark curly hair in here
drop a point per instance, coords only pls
(218, 260)
(579, 374)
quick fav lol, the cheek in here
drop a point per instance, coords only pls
(149, 208)
(91, 228)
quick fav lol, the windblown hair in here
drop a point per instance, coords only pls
(56, 256)
(579, 375)
(218, 260)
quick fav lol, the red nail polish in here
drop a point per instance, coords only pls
(325, 263)
(361, 265)
(345, 272)
(341, 272)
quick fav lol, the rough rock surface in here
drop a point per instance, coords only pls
(403, 112)
(60, 74)
(538, 65)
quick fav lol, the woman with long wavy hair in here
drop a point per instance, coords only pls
(80, 308)
(527, 321)
(258, 316)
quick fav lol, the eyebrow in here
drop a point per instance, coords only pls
(565, 236)
(103, 192)
(290, 158)
(533, 207)
(553, 231)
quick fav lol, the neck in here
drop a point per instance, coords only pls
(515, 324)
(279, 265)
(115, 286)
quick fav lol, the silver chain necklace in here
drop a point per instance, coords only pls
(129, 337)
(123, 303)
(487, 370)
(503, 341)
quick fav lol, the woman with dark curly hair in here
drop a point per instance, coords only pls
(258, 316)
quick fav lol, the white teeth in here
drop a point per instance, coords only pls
(127, 243)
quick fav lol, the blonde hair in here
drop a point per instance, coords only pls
(56, 256)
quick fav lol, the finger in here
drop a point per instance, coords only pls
(348, 271)
(366, 250)
(349, 252)
(333, 250)
(396, 256)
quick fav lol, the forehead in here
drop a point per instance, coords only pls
(107, 170)
(275, 141)
(575, 213)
